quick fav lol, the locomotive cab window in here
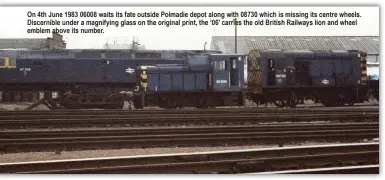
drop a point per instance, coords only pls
(271, 63)
(12, 63)
(220, 65)
(234, 63)
(6, 62)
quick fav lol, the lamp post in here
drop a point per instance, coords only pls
(235, 23)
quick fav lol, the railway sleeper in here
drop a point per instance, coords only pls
(221, 166)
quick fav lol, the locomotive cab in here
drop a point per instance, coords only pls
(270, 69)
(227, 72)
(206, 81)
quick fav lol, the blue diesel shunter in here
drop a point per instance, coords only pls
(288, 77)
(205, 81)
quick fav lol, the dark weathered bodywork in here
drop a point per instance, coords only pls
(286, 77)
(205, 81)
(85, 74)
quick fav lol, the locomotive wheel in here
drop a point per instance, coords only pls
(136, 102)
(72, 101)
(114, 101)
(206, 102)
(342, 100)
(167, 102)
(280, 103)
(341, 103)
(210, 102)
(201, 103)
(377, 95)
(329, 103)
(286, 103)
(291, 101)
(170, 104)
(349, 102)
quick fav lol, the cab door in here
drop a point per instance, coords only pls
(271, 73)
(233, 71)
(237, 71)
(220, 74)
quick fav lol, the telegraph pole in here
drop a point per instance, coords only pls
(235, 22)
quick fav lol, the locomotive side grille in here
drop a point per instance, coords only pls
(363, 69)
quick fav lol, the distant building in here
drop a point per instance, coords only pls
(54, 42)
(373, 70)
(122, 46)
(369, 44)
(122, 43)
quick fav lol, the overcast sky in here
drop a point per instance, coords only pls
(14, 25)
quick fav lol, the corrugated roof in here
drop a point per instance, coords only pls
(369, 44)
(54, 42)
(22, 43)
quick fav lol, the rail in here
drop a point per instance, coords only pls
(238, 161)
(14, 141)
(19, 121)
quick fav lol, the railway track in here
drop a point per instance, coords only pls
(19, 141)
(59, 121)
(140, 115)
(227, 162)
(196, 111)
(363, 169)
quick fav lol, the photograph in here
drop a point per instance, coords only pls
(104, 88)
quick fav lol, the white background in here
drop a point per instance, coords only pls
(12, 27)
(191, 37)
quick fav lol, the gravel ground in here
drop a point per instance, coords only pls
(22, 105)
(41, 156)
